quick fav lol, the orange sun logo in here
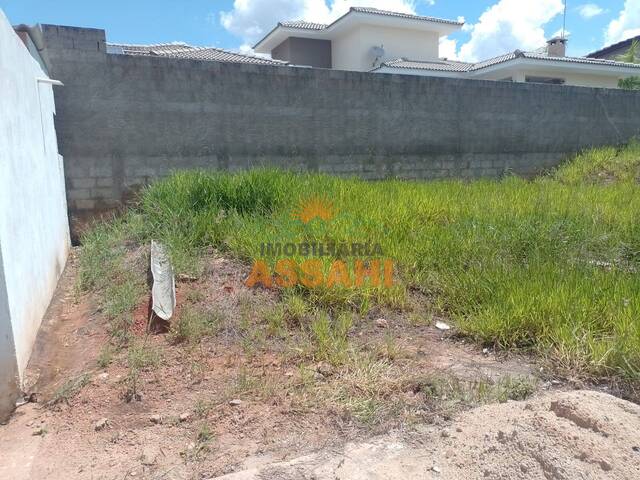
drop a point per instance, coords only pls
(314, 208)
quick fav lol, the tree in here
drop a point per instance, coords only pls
(630, 56)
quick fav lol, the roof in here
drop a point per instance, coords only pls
(182, 50)
(454, 66)
(603, 52)
(376, 11)
(304, 25)
(442, 65)
(446, 26)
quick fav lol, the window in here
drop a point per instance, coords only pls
(550, 80)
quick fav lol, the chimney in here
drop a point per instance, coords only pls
(557, 47)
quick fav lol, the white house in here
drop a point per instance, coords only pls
(368, 39)
(359, 40)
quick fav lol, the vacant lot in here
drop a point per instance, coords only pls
(503, 290)
(546, 266)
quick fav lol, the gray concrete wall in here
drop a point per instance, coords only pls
(304, 51)
(123, 121)
(34, 231)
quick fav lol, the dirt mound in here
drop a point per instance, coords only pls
(568, 435)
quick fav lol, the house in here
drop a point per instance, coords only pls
(612, 52)
(549, 65)
(182, 50)
(372, 40)
(359, 40)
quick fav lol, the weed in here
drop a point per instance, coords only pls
(195, 324)
(296, 309)
(194, 295)
(420, 319)
(390, 349)
(366, 388)
(276, 324)
(140, 356)
(246, 383)
(330, 336)
(69, 389)
(105, 356)
(445, 395)
(205, 434)
(202, 408)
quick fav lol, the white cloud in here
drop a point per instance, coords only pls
(560, 33)
(252, 19)
(510, 25)
(626, 25)
(590, 10)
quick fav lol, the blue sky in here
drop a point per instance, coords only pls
(493, 26)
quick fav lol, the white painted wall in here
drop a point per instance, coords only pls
(352, 51)
(34, 232)
(571, 78)
(605, 79)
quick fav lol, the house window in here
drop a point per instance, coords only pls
(551, 80)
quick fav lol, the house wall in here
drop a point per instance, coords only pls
(304, 51)
(124, 121)
(34, 233)
(517, 75)
(576, 79)
(352, 51)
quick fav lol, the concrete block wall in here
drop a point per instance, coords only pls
(34, 231)
(124, 121)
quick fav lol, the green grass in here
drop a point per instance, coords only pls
(447, 394)
(603, 165)
(548, 266)
(195, 324)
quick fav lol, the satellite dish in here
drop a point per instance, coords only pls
(378, 52)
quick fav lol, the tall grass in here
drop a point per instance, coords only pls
(549, 265)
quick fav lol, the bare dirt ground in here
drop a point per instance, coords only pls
(247, 403)
(562, 435)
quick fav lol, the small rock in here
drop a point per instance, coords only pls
(236, 402)
(436, 469)
(485, 351)
(324, 368)
(39, 432)
(445, 434)
(288, 374)
(101, 424)
(149, 456)
(103, 377)
(382, 323)
(318, 377)
(184, 416)
(157, 419)
(606, 466)
(442, 326)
